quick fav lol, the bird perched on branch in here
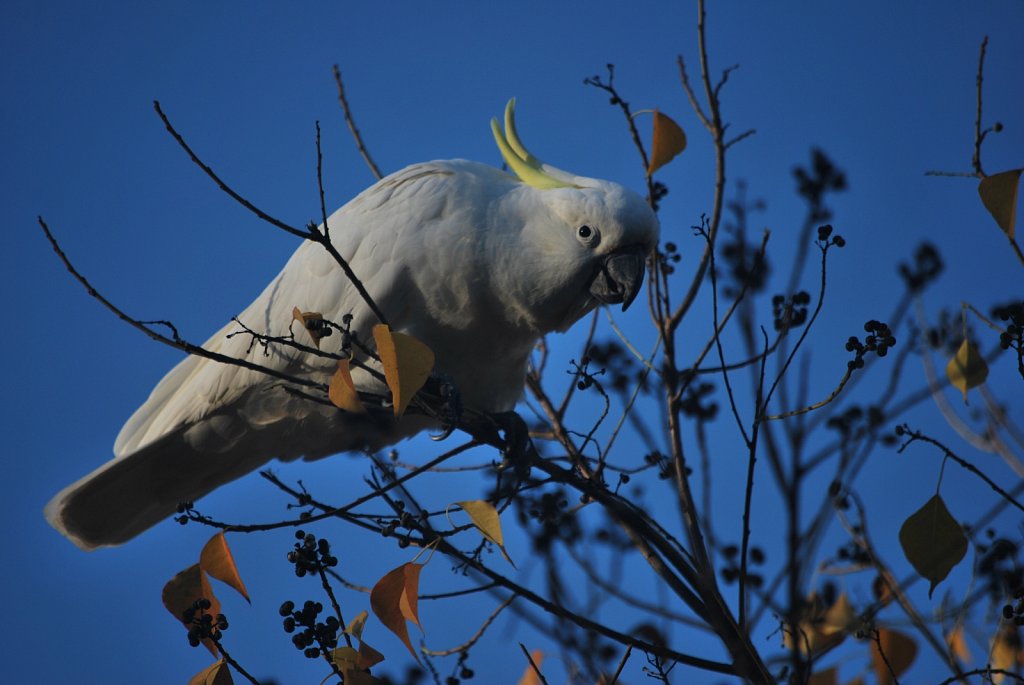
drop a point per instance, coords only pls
(474, 262)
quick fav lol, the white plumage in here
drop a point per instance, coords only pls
(474, 262)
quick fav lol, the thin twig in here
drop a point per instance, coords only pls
(352, 124)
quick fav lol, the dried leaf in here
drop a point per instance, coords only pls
(967, 369)
(407, 364)
(957, 644)
(355, 626)
(313, 323)
(530, 674)
(1006, 651)
(394, 601)
(882, 586)
(811, 635)
(346, 659)
(830, 676)
(668, 140)
(368, 656)
(216, 673)
(899, 652)
(182, 591)
(342, 391)
(485, 517)
(999, 195)
(933, 541)
(217, 560)
(839, 617)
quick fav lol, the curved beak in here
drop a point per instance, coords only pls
(619, 276)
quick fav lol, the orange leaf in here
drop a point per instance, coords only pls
(999, 195)
(958, 644)
(668, 141)
(313, 322)
(342, 391)
(899, 652)
(217, 673)
(394, 600)
(1006, 652)
(182, 591)
(530, 674)
(217, 560)
(407, 364)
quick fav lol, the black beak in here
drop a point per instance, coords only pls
(619, 277)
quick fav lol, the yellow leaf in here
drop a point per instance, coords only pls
(182, 591)
(485, 517)
(899, 651)
(313, 323)
(217, 560)
(530, 675)
(1006, 651)
(839, 617)
(830, 676)
(967, 369)
(999, 195)
(811, 636)
(394, 601)
(342, 391)
(355, 626)
(407, 364)
(958, 644)
(668, 141)
(216, 673)
(933, 541)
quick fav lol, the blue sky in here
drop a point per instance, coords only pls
(887, 89)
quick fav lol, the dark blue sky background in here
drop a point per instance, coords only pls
(887, 89)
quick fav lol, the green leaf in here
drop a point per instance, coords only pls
(933, 541)
(999, 195)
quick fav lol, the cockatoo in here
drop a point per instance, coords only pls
(476, 263)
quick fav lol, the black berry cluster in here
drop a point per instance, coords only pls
(790, 312)
(585, 378)
(1013, 336)
(311, 555)
(313, 637)
(825, 237)
(731, 570)
(669, 258)
(926, 268)
(201, 625)
(878, 340)
(855, 417)
(658, 192)
(696, 402)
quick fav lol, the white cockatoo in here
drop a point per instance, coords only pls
(474, 262)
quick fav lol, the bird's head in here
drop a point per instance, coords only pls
(587, 239)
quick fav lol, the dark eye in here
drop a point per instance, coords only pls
(587, 235)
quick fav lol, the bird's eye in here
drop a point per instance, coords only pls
(587, 235)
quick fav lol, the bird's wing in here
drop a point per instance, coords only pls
(375, 233)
